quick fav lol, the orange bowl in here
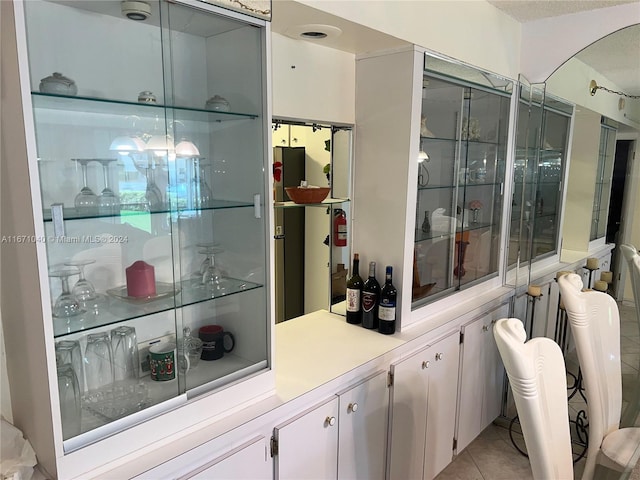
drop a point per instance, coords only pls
(307, 195)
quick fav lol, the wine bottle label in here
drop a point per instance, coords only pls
(368, 301)
(353, 300)
(387, 313)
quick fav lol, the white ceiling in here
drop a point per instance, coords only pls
(617, 56)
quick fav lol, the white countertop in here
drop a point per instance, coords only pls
(321, 346)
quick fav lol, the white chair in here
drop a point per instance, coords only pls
(595, 324)
(536, 372)
(633, 261)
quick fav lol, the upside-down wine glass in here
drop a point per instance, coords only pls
(86, 200)
(212, 278)
(66, 305)
(152, 194)
(108, 201)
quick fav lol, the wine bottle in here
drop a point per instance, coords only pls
(354, 293)
(387, 307)
(370, 299)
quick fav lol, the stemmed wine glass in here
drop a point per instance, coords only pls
(66, 305)
(202, 194)
(212, 278)
(86, 201)
(108, 201)
(152, 194)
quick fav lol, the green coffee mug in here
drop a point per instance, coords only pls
(162, 360)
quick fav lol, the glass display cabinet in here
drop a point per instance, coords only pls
(151, 160)
(461, 174)
(540, 159)
(604, 175)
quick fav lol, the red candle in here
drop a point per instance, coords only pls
(141, 280)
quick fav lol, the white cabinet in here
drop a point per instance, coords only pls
(362, 439)
(247, 461)
(423, 409)
(481, 377)
(344, 437)
(307, 445)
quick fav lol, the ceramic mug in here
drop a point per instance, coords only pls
(162, 360)
(214, 342)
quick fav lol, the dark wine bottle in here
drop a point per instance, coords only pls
(354, 293)
(387, 307)
(370, 299)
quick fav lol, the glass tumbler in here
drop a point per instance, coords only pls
(68, 352)
(70, 398)
(98, 361)
(124, 346)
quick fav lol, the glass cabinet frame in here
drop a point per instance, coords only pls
(152, 188)
(604, 176)
(461, 174)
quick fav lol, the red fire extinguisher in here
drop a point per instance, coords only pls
(340, 228)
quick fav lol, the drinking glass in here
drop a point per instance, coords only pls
(66, 305)
(69, 352)
(152, 194)
(201, 192)
(86, 201)
(190, 347)
(98, 361)
(212, 278)
(108, 201)
(124, 346)
(83, 289)
(70, 398)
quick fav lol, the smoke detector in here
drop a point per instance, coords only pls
(135, 10)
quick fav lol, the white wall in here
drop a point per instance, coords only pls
(571, 82)
(472, 31)
(312, 82)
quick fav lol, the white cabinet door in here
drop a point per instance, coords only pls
(423, 411)
(362, 443)
(247, 462)
(482, 377)
(444, 358)
(308, 445)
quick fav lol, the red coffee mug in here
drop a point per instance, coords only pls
(214, 344)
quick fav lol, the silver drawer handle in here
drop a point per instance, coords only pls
(426, 364)
(352, 407)
(438, 356)
(330, 421)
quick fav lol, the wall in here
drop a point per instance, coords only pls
(571, 82)
(581, 182)
(472, 31)
(312, 82)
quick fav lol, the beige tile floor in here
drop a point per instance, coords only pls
(492, 455)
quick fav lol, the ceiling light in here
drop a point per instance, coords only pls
(135, 10)
(313, 31)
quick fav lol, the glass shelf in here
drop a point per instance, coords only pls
(456, 140)
(70, 213)
(420, 236)
(327, 201)
(115, 309)
(103, 106)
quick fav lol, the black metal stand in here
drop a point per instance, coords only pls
(591, 270)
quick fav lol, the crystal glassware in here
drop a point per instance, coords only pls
(212, 278)
(69, 352)
(83, 289)
(201, 192)
(86, 202)
(152, 194)
(66, 305)
(98, 361)
(70, 401)
(124, 347)
(108, 201)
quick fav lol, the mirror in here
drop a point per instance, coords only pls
(312, 241)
